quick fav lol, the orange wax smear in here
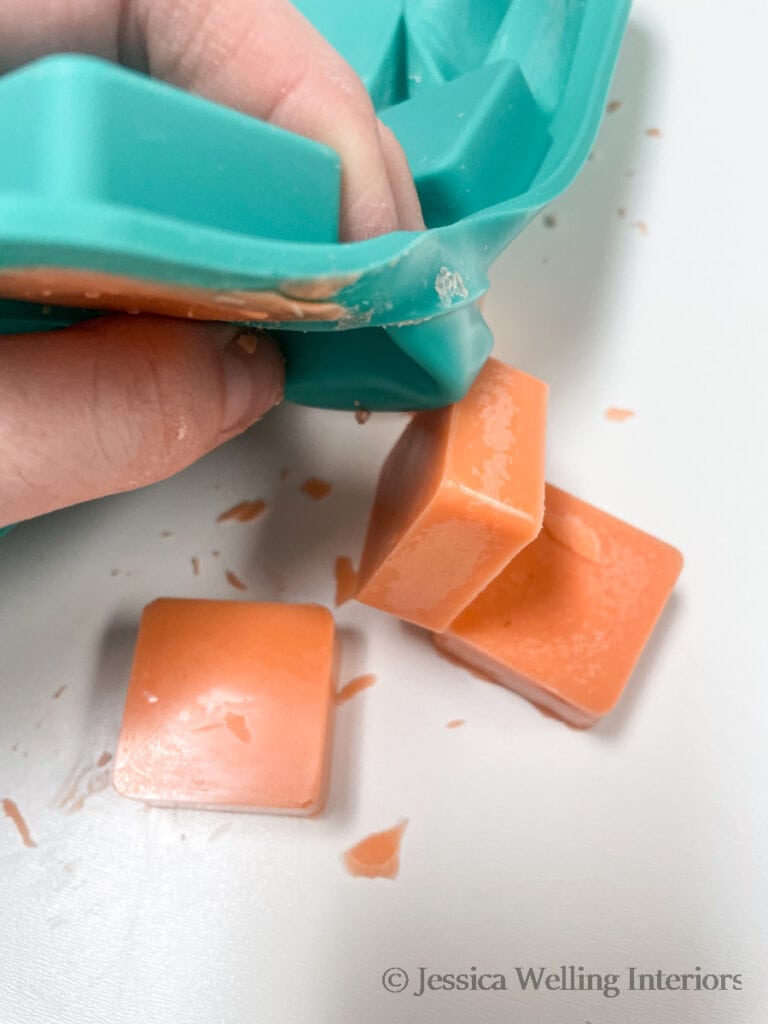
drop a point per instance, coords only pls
(460, 494)
(234, 580)
(244, 512)
(229, 706)
(346, 579)
(354, 686)
(455, 723)
(615, 415)
(316, 488)
(95, 289)
(378, 855)
(13, 812)
(565, 623)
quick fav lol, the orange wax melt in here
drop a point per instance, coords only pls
(459, 495)
(565, 623)
(229, 706)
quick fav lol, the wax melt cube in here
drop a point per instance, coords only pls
(565, 623)
(229, 706)
(459, 495)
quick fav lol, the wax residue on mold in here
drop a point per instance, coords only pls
(354, 686)
(346, 579)
(234, 581)
(378, 855)
(640, 226)
(243, 512)
(653, 133)
(616, 415)
(549, 220)
(316, 488)
(362, 415)
(59, 692)
(450, 287)
(12, 811)
(165, 534)
(622, 211)
(613, 106)
(455, 723)
(195, 565)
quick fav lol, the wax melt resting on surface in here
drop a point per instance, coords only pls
(565, 623)
(459, 495)
(229, 706)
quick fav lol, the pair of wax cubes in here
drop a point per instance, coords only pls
(518, 579)
(230, 702)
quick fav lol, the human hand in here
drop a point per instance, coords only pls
(124, 401)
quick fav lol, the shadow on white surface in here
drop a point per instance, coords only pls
(548, 291)
(615, 724)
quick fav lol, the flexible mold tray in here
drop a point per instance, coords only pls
(129, 194)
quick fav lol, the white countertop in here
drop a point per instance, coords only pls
(639, 843)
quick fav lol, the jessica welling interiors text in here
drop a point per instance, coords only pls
(566, 978)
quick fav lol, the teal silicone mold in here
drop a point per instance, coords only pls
(495, 103)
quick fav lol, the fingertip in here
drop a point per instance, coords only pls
(253, 372)
(408, 206)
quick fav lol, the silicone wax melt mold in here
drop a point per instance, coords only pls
(566, 621)
(461, 492)
(388, 323)
(229, 707)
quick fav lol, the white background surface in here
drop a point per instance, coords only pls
(641, 842)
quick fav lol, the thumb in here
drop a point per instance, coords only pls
(120, 402)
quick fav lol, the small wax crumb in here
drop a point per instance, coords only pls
(621, 211)
(346, 580)
(235, 581)
(354, 686)
(115, 572)
(316, 488)
(105, 758)
(616, 415)
(573, 533)
(166, 533)
(195, 565)
(378, 855)
(216, 554)
(454, 723)
(614, 105)
(641, 226)
(248, 343)
(244, 511)
(362, 415)
(653, 133)
(13, 812)
(284, 474)
(59, 692)
(550, 221)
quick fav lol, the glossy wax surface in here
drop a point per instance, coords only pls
(460, 494)
(228, 706)
(566, 621)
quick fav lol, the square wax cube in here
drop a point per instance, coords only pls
(229, 706)
(460, 494)
(565, 623)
